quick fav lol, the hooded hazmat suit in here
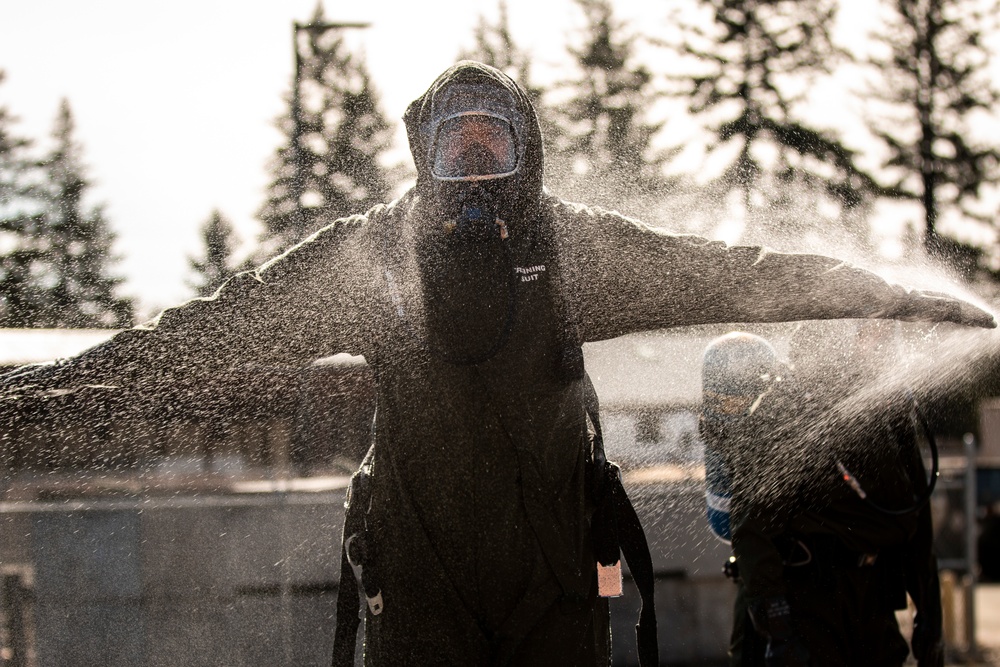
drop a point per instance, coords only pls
(479, 516)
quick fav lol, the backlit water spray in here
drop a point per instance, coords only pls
(861, 367)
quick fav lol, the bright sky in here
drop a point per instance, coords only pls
(175, 101)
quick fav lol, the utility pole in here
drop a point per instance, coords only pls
(314, 30)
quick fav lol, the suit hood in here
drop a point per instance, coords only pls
(472, 86)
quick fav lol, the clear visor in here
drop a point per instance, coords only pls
(473, 147)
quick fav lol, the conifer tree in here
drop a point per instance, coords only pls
(747, 61)
(495, 46)
(80, 290)
(935, 78)
(604, 145)
(331, 164)
(216, 265)
(22, 246)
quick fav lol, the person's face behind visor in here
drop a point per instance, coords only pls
(474, 146)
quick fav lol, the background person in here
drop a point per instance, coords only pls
(821, 570)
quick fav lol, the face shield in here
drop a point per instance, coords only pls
(744, 402)
(474, 146)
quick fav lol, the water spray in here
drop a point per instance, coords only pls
(920, 425)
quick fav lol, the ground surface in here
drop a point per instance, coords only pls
(988, 622)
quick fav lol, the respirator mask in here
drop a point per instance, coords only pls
(473, 156)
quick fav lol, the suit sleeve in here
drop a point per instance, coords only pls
(303, 305)
(629, 277)
(760, 564)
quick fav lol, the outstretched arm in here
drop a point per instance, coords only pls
(629, 277)
(298, 307)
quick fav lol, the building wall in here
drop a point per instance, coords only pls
(219, 580)
(252, 579)
(989, 432)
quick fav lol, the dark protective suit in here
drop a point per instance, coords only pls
(800, 532)
(480, 515)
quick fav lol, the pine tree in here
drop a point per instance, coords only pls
(22, 242)
(748, 61)
(936, 79)
(331, 165)
(216, 266)
(604, 145)
(495, 46)
(80, 290)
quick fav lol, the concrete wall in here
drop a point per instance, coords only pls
(213, 581)
(693, 599)
(693, 620)
(252, 579)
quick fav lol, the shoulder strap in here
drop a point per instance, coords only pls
(353, 556)
(617, 527)
(348, 615)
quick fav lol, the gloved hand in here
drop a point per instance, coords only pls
(772, 618)
(922, 305)
(926, 644)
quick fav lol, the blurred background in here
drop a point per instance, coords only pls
(146, 155)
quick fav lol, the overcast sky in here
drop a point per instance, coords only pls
(175, 101)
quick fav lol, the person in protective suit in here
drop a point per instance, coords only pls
(825, 508)
(470, 296)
